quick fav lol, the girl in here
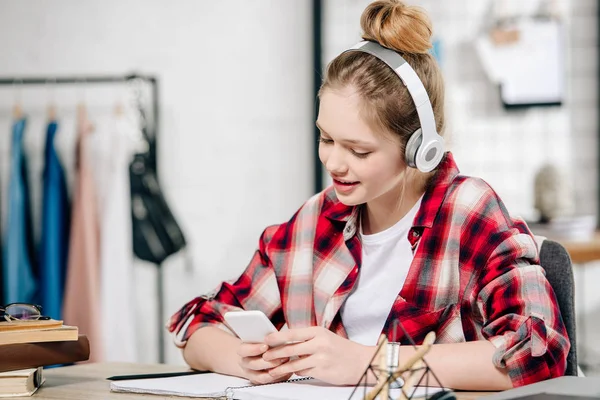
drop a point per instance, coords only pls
(426, 246)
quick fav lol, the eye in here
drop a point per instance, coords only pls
(360, 155)
(325, 140)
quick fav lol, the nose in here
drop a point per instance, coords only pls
(334, 160)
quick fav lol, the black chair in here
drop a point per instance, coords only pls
(556, 261)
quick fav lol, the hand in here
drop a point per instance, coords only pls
(255, 368)
(321, 354)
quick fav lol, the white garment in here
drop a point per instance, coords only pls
(113, 149)
(386, 259)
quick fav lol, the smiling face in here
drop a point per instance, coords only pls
(366, 166)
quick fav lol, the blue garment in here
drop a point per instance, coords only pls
(19, 280)
(55, 229)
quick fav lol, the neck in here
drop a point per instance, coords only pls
(383, 212)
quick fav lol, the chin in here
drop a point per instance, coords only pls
(351, 200)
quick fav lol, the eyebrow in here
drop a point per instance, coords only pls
(350, 141)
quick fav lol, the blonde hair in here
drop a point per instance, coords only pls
(386, 103)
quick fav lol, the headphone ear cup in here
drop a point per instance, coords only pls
(412, 146)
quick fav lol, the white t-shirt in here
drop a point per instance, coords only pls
(386, 258)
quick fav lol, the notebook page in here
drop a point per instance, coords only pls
(313, 390)
(201, 385)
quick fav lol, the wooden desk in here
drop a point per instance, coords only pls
(88, 381)
(583, 252)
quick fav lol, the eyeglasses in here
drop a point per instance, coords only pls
(21, 312)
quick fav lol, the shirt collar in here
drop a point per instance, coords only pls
(436, 191)
(430, 205)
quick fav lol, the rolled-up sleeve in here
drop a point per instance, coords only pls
(255, 289)
(520, 313)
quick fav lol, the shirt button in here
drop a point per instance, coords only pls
(415, 234)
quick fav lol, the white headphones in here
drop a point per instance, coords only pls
(425, 148)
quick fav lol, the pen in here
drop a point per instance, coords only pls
(151, 376)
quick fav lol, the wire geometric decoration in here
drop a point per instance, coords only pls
(405, 375)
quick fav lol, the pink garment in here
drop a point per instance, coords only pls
(82, 290)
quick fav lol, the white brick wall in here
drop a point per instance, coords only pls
(505, 148)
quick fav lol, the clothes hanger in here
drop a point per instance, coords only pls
(82, 111)
(136, 87)
(81, 108)
(125, 110)
(51, 103)
(17, 111)
(51, 112)
(119, 109)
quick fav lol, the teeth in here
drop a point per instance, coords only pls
(341, 181)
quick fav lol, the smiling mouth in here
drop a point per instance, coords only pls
(345, 182)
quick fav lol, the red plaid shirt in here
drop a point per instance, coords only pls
(474, 276)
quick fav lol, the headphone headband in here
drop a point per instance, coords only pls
(430, 150)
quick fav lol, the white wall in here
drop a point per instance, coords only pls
(235, 150)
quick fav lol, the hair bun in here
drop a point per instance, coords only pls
(397, 26)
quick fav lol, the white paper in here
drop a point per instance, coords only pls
(313, 390)
(536, 73)
(201, 385)
(530, 70)
(217, 385)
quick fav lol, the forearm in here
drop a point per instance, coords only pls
(212, 349)
(466, 366)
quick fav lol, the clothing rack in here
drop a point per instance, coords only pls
(107, 79)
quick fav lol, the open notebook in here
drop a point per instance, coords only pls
(212, 385)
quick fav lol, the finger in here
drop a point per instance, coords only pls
(251, 349)
(300, 364)
(291, 335)
(258, 364)
(290, 350)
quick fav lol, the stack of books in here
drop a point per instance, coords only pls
(27, 346)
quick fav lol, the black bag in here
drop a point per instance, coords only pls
(156, 233)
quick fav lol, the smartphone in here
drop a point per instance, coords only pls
(250, 326)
